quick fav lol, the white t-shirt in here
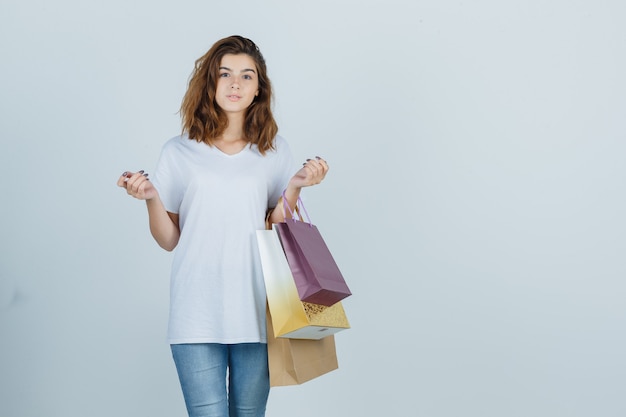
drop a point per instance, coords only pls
(217, 293)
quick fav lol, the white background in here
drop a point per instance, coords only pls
(475, 202)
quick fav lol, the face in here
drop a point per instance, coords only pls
(238, 83)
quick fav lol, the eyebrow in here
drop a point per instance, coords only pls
(244, 70)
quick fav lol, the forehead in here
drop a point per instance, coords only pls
(238, 62)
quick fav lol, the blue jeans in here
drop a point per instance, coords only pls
(202, 369)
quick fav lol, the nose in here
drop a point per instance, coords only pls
(235, 83)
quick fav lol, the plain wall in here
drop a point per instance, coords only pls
(475, 202)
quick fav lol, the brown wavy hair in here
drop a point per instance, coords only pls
(202, 118)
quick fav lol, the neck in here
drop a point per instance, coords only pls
(234, 130)
(231, 141)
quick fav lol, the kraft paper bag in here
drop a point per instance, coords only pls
(291, 318)
(295, 361)
(317, 276)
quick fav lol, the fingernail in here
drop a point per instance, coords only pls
(125, 173)
(318, 157)
(308, 160)
(141, 172)
(145, 175)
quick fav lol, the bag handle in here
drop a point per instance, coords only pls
(293, 212)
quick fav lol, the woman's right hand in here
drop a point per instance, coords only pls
(138, 185)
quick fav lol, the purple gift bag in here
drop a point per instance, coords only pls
(314, 270)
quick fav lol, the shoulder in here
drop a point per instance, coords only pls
(181, 144)
(281, 145)
(279, 140)
(176, 142)
(281, 148)
(175, 150)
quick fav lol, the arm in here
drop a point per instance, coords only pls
(163, 224)
(313, 172)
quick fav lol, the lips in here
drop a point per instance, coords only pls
(233, 97)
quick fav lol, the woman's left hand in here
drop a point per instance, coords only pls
(313, 172)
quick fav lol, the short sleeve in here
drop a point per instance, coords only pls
(285, 168)
(166, 179)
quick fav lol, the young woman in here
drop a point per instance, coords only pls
(214, 186)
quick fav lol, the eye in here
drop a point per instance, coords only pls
(247, 77)
(224, 74)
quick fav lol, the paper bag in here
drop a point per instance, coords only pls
(317, 276)
(291, 318)
(294, 361)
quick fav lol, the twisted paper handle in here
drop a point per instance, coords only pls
(293, 212)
